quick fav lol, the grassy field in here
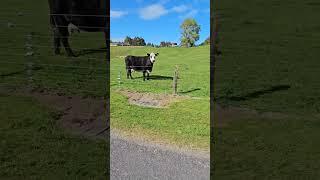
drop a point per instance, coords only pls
(185, 122)
(270, 64)
(85, 74)
(33, 146)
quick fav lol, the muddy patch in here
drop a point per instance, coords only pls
(151, 100)
(75, 114)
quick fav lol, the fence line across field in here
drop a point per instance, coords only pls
(50, 36)
(58, 80)
(85, 67)
(22, 14)
(53, 65)
(64, 57)
(15, 25)
(55, 88)
(40, 46)
(51, 79)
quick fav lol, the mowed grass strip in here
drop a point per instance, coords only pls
(183, 123)
(33, 147)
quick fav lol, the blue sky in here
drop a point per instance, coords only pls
(157, 20)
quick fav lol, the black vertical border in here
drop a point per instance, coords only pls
(212, 85)
(107, 98)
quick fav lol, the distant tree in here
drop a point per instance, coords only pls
(190, 32)
(128, 40)
(142, 42)
(162, 44)
(136, 41)
(205, 42)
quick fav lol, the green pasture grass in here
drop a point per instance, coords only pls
(85, 75)
(183, 123)
(192, 63)
(33, 147)
(270, 63)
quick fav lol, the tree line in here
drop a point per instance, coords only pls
(136, 41)
(190, 33)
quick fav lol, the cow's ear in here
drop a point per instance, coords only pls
(148, 54)
(157, 54)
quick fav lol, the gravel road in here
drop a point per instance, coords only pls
(132, 159)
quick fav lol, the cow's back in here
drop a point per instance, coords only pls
(138, 63)
(87, 15)
(93, 15)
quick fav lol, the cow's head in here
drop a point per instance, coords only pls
(152, 56)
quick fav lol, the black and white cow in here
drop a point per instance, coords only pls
(69, 15)
(142, 64)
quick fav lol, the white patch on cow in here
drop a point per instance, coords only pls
(132, 70)
(148, 72)
(152, 57)
(73, 28)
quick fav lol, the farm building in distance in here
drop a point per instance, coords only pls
(119, 44)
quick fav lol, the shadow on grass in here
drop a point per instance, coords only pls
(156, 77)
(91, 51)
(189, 91)
(20, 72)
(256, 94)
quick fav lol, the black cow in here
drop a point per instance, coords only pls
(143, 64)
(86, 15)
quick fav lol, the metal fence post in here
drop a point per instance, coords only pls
(119, 79)
(29, 53)
(175, 80)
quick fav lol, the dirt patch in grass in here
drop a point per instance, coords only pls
(224, 115)
(151, 100)
(83, 116)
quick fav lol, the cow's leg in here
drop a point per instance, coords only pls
(66, 45)
(56, 41)
(144, 75)
(131, 74)
(148, 74)
(64, 38)
(128, 73)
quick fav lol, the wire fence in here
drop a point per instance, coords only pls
(29, 57)
(28, 64)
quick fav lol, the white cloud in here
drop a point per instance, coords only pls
(190, 14)
(180, 9)
(117, 14)
(153, 11)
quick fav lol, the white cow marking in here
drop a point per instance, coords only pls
(153, 57)
(73, 28)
